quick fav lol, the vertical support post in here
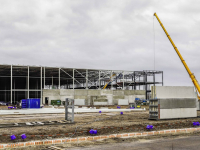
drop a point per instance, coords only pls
(44, 77)
(73, 78)
(116, 81)
(28, 83)
(86, 84)
(41, 87)
(11, 84)
(72, 103)
(123, 81)
(162, 78)
(66, 109)
(69, 103)
(154, 85)
(146, 83)
(14, 91)
(59, 79)
(52, 83)
(99, 79)
(134, 82)
(111, 78)
(139, 82)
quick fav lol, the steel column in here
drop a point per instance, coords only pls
(86, 79)
(41, 87)
(59, 79)
(52, 83)
(99, 79)
(11, 84)
(123, 81)
(28, 83)
(73, 78)
(44, 77)
(154, 85)
(111, 85)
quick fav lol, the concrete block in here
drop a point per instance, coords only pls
(81, 92)
(131, 98)
(100, 103)
(175, 92)
(64, 92)
(116, 97)
(115, 102)
(106, 92)
(79, 101)
(80, 97)
(94, 92)
(172, 103)
(140, 92)
(110, 99)
(178, 113)
(100, 100)
(129, 92)
(51, 92)
(123, 102)
(118, 92)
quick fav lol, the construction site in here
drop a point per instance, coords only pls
(43, 107)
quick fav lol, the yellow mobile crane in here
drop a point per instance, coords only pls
(110, 81)
(194, 80)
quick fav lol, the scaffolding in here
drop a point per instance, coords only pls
(20, 81)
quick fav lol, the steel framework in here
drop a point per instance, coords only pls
(18, 82)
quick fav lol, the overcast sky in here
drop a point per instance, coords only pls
(102, 34)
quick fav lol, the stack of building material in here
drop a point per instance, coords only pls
(173, 102)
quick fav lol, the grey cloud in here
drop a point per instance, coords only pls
(102, 35)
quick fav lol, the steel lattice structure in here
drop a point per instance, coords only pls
(19, 81)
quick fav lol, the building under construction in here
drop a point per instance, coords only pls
(20, 81)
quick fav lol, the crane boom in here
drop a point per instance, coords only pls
(194, 80)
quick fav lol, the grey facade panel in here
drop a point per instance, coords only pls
(177, 103)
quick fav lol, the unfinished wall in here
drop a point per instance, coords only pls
(175, 92)
(92, 97)
(178, 108)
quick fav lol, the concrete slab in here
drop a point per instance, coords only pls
(100, 103)
(123, 102)
(79, 101)
(56, 111)
(175, 92)
(170, 103)
(81, 92)
(64, 92)
(178, 113)
(94, 92)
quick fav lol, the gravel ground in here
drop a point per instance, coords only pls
(134, 121)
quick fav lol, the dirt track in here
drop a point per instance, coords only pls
(111, 122)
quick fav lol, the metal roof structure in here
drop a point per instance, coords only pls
(19, 81)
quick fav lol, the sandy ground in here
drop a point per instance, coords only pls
(135, 121)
